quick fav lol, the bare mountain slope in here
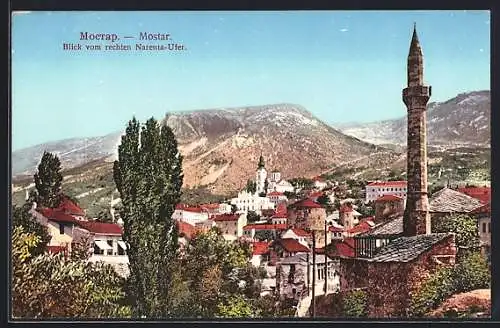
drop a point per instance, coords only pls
(221, 147)
(461, 121)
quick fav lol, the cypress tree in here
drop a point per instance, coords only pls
(48, 179)
(148, 175)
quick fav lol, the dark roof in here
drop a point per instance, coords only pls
(450, 201)
(392, 227)
(101, 227)
(406, 249)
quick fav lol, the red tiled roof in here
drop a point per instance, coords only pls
(360, 228)
(56, 249)
(293, 246)
(387, 183)
(265, 227)
(349, 242)
(335, 229)
(275, 193)
(306, 203)
(481, 193)
(187, 229)
(387, 198)
(345, 250)
(91, 226)
(318, 178)
(69, 207)
(260, 247)
(57, 215)
(226, 217)
(210, 206)
(281, 208)
(301, 232)
(101, 228)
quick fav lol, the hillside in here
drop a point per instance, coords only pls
(461, 121)
(221, 146)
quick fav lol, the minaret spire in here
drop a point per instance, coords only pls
(416, 218)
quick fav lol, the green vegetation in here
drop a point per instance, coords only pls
(21, 218)
(251, 186)
(470, 273)
(48, 180)
(354, 304)
(148, 176)
(252, 216)
(48, 286)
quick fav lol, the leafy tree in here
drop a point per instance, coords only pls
(470, 273)
(324, 200)
(464, 227)
(264, 235)
(53, 286)
(48, 179)
(301, 183)
(290, 194)
(234, 209)
(148, 176)
(252, 216)
(236, 307)
(21, 217)
(104, 216)
(211, 272)
(354, 304)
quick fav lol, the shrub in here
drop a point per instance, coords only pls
(354, 304)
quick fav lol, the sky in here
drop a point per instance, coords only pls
(343, 66)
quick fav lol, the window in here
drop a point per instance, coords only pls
(484, 227)
(61, 228)
(489, 227)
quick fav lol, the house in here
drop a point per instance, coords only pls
(375, 190)
(277, 197)
(231, 225)
(250, 230)
(260, 252)
(314, 195)
(281, 186)
(247, 201)
(300, 235)
(285, 247)
(189, 214)
(294, 276)
(104, 239)
(337, 231)
(348, 216)
(280, 215)
(483, 215)
(186, 232)
(363, 226)
(211, 208)
(225, 208)
(448, 201)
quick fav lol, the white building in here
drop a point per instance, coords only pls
(376, 190)
(281, 186)
(225, 208)
(191, 215)
(252, 202)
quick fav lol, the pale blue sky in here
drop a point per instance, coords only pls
(341, 65)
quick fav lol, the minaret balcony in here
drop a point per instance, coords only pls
(417, 91)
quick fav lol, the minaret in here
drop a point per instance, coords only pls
(415, 96)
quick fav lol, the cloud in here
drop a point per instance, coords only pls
(344, 30)
(21, 12)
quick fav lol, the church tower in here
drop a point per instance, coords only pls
(261, 176)
(415, 96)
